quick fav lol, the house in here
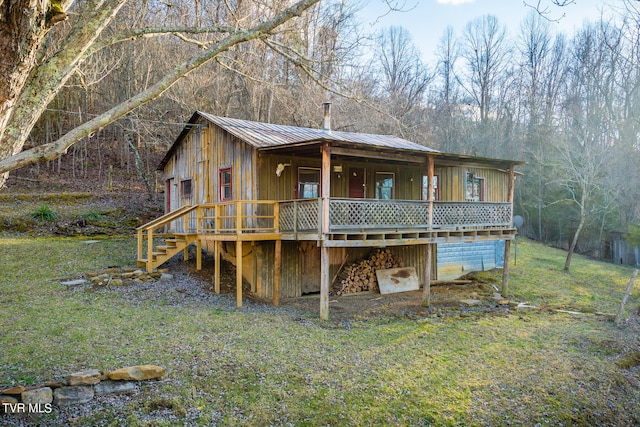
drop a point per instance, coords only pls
(289, 205)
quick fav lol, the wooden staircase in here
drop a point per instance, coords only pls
(151, 256)
(174, 244)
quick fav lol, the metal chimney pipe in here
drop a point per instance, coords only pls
(326, 125)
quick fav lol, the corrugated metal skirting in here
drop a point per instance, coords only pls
(457, 259)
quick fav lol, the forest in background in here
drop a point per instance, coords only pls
(567, 104)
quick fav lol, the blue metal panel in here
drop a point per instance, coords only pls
(457, 259)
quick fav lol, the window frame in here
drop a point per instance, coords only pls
(378, 187)
(425, 187)
(222, 186)
(186, 184)
(476, 181)
(300, 190)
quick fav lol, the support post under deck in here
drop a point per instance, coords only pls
(238, 273)
(277, 272)
(505, 271)
(324, 283)
(198, 254)
(426, 294)
(216, 274)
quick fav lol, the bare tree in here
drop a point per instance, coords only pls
(584, 152)
(541, 70)
(447, 93)
(486, 53)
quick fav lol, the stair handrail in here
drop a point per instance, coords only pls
(156, 223)
(168, 217)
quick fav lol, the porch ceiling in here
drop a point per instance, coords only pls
(339, 151)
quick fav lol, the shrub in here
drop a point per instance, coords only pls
(44, 213)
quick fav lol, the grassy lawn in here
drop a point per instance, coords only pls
(262, 365)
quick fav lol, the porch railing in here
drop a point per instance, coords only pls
(268, 216)
(244, 216)
(367, 214)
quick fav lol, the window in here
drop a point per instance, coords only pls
(308, 183)
(226, 192)
(425, 187)
(185, 188)
(384, 185)
(474, 188)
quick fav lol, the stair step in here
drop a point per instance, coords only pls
(165, 248)
(176, 239)
(157, 254)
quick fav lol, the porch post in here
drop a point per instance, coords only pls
(238, 272)
(512, 184)
(430, 186)
(198, 254)
(507, 243)
(426, 296)
(324, 250)
(277, 272)
(505, 270)
(216, 274)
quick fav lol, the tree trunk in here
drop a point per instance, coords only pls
(22, 30)
(574, 242)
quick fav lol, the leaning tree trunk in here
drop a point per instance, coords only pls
(574, 242)
(23, 27)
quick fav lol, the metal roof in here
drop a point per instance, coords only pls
(268, 135)
(265, 136)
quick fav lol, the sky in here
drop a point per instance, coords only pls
(426, 20)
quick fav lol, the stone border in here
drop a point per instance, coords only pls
(78, 388)
(125, 276)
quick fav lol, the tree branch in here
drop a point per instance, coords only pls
(55, 149)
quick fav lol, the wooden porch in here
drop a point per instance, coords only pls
(348, 223)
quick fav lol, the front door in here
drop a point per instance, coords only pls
(357, 183)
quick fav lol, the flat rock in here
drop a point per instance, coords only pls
(470, 302)
(165, 277)
(55, 384)
(13, 390)
(76, 282)
(7, 399)
(503, 301)
(73, 395)
(138, 373)
(115, 387)
(42, 396)
(86, 377)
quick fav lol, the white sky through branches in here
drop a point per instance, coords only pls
(427, 20)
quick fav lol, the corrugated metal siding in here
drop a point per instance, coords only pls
(457, 259)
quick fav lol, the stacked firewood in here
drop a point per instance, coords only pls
(361, 276)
